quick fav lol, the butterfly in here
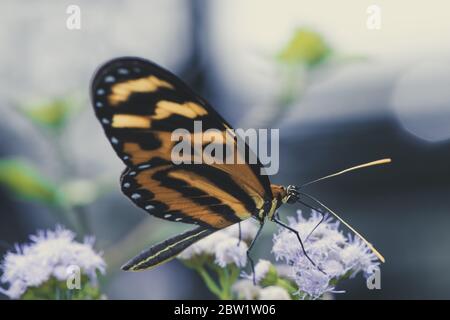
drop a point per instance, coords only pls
(139, 104)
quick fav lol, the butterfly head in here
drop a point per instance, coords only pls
(282, 195)
(292, 194)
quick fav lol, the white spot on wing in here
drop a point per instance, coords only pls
(135, 196)
(144, 166)
(149, 207)
(100, 92)
(167, 215)
(114, 140)
(122, 71)
(110, 79)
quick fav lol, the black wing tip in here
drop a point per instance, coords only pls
(135, 263)
(127, 266)
(130, 265)
(110, 64)
(119, 62)
(114, 63)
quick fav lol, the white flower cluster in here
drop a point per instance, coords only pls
(246, 290)
(224, 245)
(261, 270)
(49, 255)
(334, 253)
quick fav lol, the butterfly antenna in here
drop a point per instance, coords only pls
(364, 165)
(371, 247)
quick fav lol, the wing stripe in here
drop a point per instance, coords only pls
(139, 105)
(121, 91)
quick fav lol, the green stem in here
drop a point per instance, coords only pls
(234, 276)
(224, 279)
(227, 277)
(74, 215)
(291, 91)
(72, 219)
(212, 286)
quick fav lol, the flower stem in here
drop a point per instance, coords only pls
(224, 280)
(212, 286)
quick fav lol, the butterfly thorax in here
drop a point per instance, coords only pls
(280, 197)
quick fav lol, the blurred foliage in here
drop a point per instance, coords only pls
(68, 195)
(306, 47)
(306, 56)
(80, 192)
(52, 114)
(25, 182)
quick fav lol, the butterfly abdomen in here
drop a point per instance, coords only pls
(166, 250)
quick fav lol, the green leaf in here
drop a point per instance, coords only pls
(271, 277)
(25, 182)
(80, 192)
(305, 47)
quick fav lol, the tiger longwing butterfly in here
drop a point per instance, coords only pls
(139, 104)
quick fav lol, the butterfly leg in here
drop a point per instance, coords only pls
(252, 264)
(294, 196)
(323, 214)
(281, 223)
(277, 215)
(240, 233)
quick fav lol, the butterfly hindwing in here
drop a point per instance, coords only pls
(139, 105)
(197, 194)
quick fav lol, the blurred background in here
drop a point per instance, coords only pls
(345, 83)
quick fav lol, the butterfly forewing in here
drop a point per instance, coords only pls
(139, 105)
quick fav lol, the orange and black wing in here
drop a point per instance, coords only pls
(139, 105)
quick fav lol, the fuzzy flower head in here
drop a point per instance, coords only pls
(262, 269)
(248, 230)
(335, 254)
(220, 256)
(204, 247)
(266, 273)
(230, 251)
(49, 255)
(244, 289)
(223, 246)
(273, 293)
